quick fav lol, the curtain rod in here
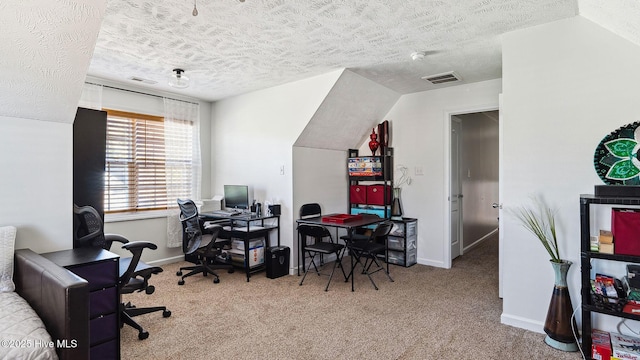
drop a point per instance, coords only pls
(139, 92)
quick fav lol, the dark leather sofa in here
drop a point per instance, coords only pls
(59, 297)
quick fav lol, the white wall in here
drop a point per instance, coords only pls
(420, 137)
(253, 136)
(319, 176)
(565, 86)
(35, 187)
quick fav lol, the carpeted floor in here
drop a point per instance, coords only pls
(427, 313)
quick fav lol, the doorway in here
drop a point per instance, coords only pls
(473, 179)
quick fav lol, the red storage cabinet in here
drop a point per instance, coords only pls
(625, 226)
(358, 194)
(376, 195)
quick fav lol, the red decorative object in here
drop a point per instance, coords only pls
(373, 144)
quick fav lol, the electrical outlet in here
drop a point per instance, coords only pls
(419, 170)
(282, 170)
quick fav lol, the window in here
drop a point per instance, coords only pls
(148, 162)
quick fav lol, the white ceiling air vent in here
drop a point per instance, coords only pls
(145, 81)
(442, 78)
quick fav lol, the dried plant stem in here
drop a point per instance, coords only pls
(540, 221)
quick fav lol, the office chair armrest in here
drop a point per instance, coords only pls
(135, 245)
(115, 237)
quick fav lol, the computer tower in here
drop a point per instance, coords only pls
(277, 261)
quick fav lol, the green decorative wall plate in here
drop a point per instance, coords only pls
(616, 157)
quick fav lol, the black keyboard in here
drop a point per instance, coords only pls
(227, 212)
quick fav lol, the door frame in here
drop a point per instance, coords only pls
(459, 190)
(447, 172)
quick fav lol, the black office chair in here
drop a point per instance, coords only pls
(320, 247)
(201, 242)
(370, 249)
(134, 274)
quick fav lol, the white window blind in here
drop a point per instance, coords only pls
(145, 157)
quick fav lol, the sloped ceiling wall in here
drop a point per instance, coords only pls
(352, 108)
(621, 17)
(46, 51)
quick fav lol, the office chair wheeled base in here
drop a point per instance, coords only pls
(204, 270)
(129, 311)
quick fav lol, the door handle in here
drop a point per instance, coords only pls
(496, 206)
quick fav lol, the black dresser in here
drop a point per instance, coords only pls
(100, 268)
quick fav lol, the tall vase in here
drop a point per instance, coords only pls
(396, 207)
(558, 324)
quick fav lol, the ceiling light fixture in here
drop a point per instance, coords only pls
(178, 80)
(418, 55)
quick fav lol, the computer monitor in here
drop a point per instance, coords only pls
(238, 196)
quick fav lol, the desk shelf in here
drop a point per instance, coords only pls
(247, 228)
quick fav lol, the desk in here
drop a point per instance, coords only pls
(350, 226)
(247, 227)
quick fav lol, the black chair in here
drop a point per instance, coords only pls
(134, 274)
(201, 243)
(308, 211)
(320, 248)
(370, 248)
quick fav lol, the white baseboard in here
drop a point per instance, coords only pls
(165, 260)
(477, 242)
(523, 323)
(429, 262)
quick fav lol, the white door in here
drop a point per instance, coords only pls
(455, 196)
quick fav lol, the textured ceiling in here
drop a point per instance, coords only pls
(46, 50)
(232, 47)
(621, 17)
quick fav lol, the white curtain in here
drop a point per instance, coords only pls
(176, 112)
(91, 97)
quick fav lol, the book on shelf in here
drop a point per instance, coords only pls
(625, 346)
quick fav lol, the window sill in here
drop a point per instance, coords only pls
(142, 215)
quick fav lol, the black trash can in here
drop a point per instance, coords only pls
(277, 259)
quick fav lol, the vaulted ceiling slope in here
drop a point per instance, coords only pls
(46, 51)
(234, 47)
(622, 17)
(346, 116)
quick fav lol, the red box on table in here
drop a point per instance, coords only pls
(340, 218)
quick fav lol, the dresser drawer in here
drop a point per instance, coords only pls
(103, 328)
(106, 351)
(395, 243)
(99, 275)
(103, 301)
